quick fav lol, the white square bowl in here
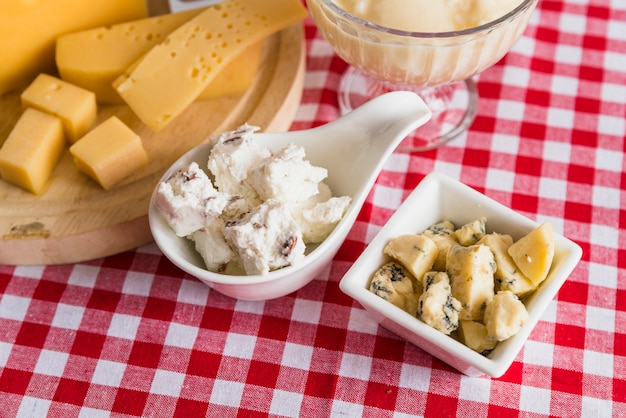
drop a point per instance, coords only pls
(438, 198)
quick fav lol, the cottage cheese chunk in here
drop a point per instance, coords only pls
(286, 176)
(266, 238)
(189, 201)
(319, 221)
(232, 157)
(212, 245)
(264, 209)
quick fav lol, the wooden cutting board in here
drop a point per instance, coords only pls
(76, 220)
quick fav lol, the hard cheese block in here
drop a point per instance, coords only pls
(109, 152)
(93, 58)
(32, 149)
(74, 105)
(174, 73)
(28, 29)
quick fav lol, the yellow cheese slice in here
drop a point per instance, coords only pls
(173, 74)
(75, 106)
(32, 150)
(28, 29)
(109, 152)
(94, 58)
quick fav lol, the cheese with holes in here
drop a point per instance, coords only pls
(75, 106)
(173, 73)
(94, 58)
(28, 29)
(32, 150)
(109, 153)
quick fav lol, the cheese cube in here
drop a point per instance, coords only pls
(75, 106)
(471, 272)
(507, 276)
(442, 234)
(32, 150)
(395, 284)
(109, 153)
(533, 253)
(471, 232)
(505, 315)
(174, 73)
(437, 307)
(28, 30)
(415, 252)
(474, 335)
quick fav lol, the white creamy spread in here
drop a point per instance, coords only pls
(264, 209)
(428, 15)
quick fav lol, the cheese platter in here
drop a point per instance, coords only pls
(75, 220)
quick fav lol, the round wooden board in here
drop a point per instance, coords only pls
(76, 220)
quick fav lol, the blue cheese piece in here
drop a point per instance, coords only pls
(471, 270)
(507, 275)
(395, 284)
(212, 246)
(474, 335)
(416, 253)
(442, 234)
(471, 232)
(233, 155)
(436, 306)
(286, 176)
(266, 238)
(189, 201)
(505, 315)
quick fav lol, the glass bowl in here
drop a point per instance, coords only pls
(437, 65)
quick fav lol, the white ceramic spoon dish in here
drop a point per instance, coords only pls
(352, 148)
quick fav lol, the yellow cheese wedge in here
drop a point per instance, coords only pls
(534, 252)
(28, 29)
(94, 58)
(75, 106)
(32, 150)
(109, 153)
(173, 74)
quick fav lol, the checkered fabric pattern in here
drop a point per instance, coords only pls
(131, 335)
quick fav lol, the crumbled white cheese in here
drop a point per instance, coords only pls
(266, 238)
(189, 201)
(265, 210)
(286, 176)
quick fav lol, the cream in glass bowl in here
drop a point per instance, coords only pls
(432, 47)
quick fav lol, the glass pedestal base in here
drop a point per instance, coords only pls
(453, 107)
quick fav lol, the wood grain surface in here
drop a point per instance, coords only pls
(75, 220)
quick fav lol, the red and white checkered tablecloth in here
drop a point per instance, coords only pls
(131, 335)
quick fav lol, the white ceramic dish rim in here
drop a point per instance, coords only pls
(357, 278)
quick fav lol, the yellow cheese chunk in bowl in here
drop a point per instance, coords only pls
(437, 198)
